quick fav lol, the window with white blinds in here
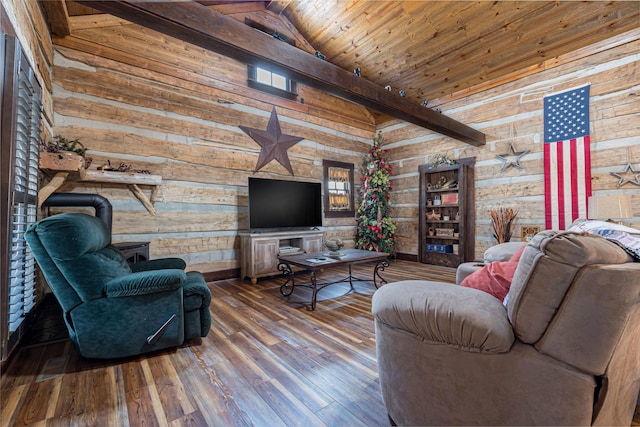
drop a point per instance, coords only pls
(22, 274)
(21, 125)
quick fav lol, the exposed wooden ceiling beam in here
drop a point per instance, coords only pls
(100, 20)
(194, 23)
(57, 16)
(277, 6)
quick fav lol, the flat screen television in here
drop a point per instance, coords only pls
(284, 205)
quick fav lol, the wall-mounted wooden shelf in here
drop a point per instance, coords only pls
(130, 179)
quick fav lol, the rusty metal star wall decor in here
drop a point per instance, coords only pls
(273, 142)
(511, 158)
(627, 175)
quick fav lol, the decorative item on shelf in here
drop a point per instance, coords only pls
(501, 221)
(123, 167)
(429, 202)
(455, 247)
(456, 234)
(429, 186)
(444, 232)
(445, 218)
(443, 249)
(450, 184)
(433, 216)
(63, 161)
(63, 154)
(450, 199)
(457, 217)
(442, 160)
(527, 232)
(437, 200)
(432, 231)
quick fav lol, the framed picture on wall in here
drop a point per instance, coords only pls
(528, 232)
(338, 189)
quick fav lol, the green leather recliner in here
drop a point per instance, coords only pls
(112, 309)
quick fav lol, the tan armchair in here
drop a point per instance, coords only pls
(565, 350)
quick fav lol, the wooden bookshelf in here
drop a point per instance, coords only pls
(447, 213)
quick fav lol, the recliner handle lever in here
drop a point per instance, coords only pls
(152, 339)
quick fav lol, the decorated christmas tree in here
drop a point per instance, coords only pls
(375, 229)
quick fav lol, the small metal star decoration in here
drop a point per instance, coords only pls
(511, 158)
(273, 142)
(627, 175)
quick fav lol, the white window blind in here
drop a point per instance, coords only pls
(22, 272)
(22, 141)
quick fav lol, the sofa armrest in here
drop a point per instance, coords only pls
(159, 264)
(442, 313)
(467, 268)
(145, 282)
(502, 251)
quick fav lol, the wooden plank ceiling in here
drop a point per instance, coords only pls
(432, 49)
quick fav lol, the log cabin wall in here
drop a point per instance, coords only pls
(512, 113)
(25, 18)
(135, 96)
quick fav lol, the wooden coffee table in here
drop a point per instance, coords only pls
(314, 262)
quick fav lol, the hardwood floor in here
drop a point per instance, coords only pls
(267, 361)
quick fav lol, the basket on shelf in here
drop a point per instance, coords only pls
(444, 232)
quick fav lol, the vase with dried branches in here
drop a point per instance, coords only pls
(502, 220)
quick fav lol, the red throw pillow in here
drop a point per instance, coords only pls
(518, 254)
(494, 278)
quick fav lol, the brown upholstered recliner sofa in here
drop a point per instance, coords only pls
(564, 351)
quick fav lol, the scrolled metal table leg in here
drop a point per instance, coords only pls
(351, 279)
(380, 266)
(288, 273)
(314, 285)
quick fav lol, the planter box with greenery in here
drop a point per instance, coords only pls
(63, 154)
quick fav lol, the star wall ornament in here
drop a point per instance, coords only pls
(627, 175)
(273, 142)
(511, 158)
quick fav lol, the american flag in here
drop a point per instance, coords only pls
(567, 157)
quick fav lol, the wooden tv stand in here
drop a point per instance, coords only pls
(259, 251)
